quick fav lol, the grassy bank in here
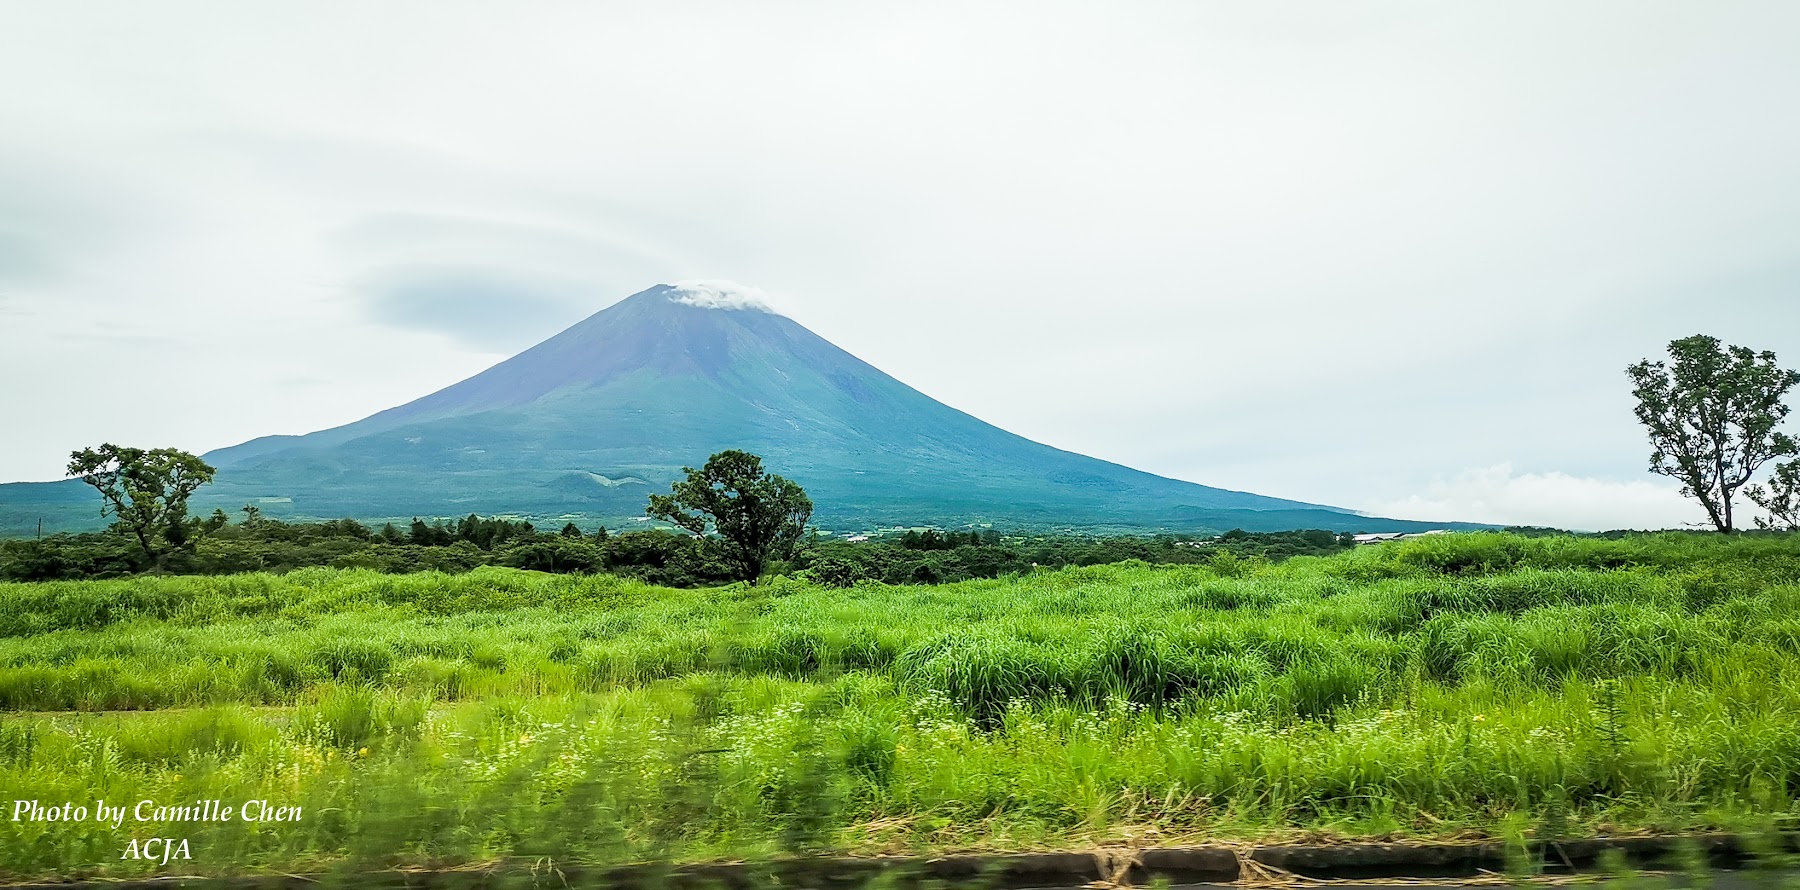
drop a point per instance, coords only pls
(1464, 683)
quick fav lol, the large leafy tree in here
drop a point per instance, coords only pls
(147, 493)
(755, 515)
(1712, 412)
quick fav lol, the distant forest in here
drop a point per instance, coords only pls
(656, 556)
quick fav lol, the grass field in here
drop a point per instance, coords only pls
(1447, 686)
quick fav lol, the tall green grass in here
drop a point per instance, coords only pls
(1460, 683)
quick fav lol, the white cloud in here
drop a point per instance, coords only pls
(1498, 495)
(1375, 239)
(717, 293)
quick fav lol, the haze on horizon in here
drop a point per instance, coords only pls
(1392, 257)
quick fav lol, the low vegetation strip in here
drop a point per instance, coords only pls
(1459, 685)
(1110, 866)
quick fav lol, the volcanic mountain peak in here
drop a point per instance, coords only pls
(585, 422)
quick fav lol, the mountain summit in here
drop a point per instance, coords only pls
(592, 420)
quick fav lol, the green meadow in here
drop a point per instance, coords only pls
(1465, 685)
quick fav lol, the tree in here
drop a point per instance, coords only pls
(558, 554)
(757, 516)
(470, 529)
(1781, 497)
(1711, 413)
(147, 492)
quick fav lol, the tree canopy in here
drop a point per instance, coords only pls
(147, 492)
(1712, 412)
(755, 515)
(1780, 497)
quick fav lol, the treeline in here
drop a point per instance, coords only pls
(672, 559)
(932, 557)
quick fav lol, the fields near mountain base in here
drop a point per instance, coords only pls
(1459, 685)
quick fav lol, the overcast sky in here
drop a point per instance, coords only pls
(1388, 256)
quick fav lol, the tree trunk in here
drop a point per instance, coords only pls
(1705, 497)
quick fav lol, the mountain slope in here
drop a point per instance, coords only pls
(594, 419)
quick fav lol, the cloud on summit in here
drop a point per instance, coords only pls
(718, 293)
(506, 310)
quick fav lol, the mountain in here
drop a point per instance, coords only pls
(592, 420)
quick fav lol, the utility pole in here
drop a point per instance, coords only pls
(40, 528)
